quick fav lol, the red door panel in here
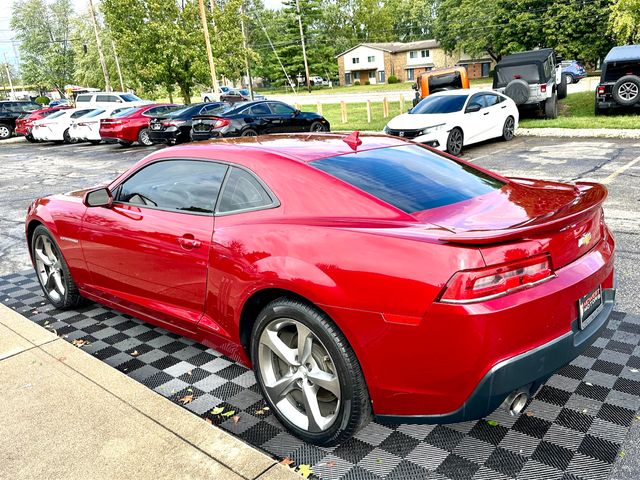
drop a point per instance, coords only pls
(150, 260)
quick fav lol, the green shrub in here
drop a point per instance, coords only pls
(392, 79)
(42, 100)
(367, 82)
(357, 83)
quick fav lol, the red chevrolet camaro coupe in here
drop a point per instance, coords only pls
(357, 276)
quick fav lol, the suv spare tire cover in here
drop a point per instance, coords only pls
(518, 91)
(626, 91)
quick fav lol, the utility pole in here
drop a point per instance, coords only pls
(6, 66)
(244, 47)
(212, 65)
(115, 54)
(103, 63)
(304, 48)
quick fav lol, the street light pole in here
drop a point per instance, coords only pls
(6, 66)
(115, 54)
(304, 48)
(103, 63)
(212, 65)
(246, 54)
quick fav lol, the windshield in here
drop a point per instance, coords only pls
(125, 112)
(529, 73)
(244, 92)
(614, 70)
(440, 104)
(178, 113)
(130, 97)
(411, 178)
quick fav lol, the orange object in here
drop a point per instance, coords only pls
(441, 79)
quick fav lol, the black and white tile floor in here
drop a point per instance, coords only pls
(572, 430)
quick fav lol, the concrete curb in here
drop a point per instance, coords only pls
(13, 140)
(189, 436)
(579, 132)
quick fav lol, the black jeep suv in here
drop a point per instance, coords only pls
(619, 86)
(9, 113)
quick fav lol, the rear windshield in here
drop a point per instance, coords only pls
(95, 113)
(125, 112)
(614, 70)
(57, 114)
(129, 97)
(528, 73)
(410, 177)
(440, 104)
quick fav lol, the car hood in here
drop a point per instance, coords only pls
(411, 121)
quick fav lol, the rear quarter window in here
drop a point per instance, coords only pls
(411, 178)
(83, 98)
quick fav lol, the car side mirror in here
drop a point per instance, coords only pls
(474, 107)
(296, 112)
(100, 197)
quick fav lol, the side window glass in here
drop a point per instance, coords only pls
(491, 100)
(281, 109)
(477, 99)
(187, 186)
(260, 109)
(242, 191)
(103, 98)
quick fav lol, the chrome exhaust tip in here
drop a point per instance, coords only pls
(515, 402)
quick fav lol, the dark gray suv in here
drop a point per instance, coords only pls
(619, 86)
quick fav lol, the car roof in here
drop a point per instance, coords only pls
(623, 53)
(461, 91)
(301, 147)
(524, 57)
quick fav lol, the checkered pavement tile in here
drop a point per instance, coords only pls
(571, 430)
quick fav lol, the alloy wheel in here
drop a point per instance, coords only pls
(4, 132)
(628, 91)
(299, 375)
(454, 143)
(509, 128)
(49, 268)
(144, 138)
(317, 127)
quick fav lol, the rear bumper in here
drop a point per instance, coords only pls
(526, 372)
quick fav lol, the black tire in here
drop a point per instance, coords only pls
(206, 99)
(317, 127)
(71, 297)
(95, 142)
(508, 129)
(626, 91)
(562, 87)
(518, 91)
(66, 138)
(124, 143)
(143, 137)
(354, 410)
(249, 132)
(551, 108)
(5, 131)
(455, 141)
(29, 138)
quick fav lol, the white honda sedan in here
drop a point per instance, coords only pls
(456, 118)
(55, 127)
(87, 127)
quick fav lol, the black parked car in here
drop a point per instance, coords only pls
(257, 118)
(619, 86)
(240, 95)
(9, 113)
(175, 127)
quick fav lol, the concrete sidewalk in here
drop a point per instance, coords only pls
(66, 415)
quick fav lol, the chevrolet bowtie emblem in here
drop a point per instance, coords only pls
(584, 240)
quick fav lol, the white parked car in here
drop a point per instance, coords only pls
(109, 99)
(210, 96)
(453, 119)
(55, 127)
(87, 127)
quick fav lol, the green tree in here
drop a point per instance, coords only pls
(625, 21)
(44, 32)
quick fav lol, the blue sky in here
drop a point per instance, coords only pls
(6, 35)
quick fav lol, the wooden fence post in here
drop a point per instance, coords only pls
(385, 107)
(343, 112)
(401, 103)
(319, 108)
(368, 111)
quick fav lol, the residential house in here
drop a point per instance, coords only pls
(376, 62)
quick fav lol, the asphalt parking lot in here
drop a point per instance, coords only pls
(30, 170)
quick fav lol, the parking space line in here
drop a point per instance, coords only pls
(622, 169)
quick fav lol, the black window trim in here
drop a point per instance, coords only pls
(275, 202)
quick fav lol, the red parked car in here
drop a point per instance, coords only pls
(132, 125)
(23, 124)
(357, 276)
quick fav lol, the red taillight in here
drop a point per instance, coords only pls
(470, 286)
(543, 88)
(173, 123)
(221, 122)
(600, 89)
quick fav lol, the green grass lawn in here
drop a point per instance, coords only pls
(393, 87)
(577, 111)
(357, 115)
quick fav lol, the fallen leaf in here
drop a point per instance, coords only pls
(621, 453)
(229, 413)
(135, 353)
(266, 409)
(189, 372)
(378, 461)
(236, 418)
(217, 411)
(584, 410)
(638, 418)
(529, 414)
(589, 384)
(189, 389)
(286, 461)
(634, 370)
(493, 423)
(186, 399)
(208, 420)
(79, 342)
(259, 412)
(305, 470)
